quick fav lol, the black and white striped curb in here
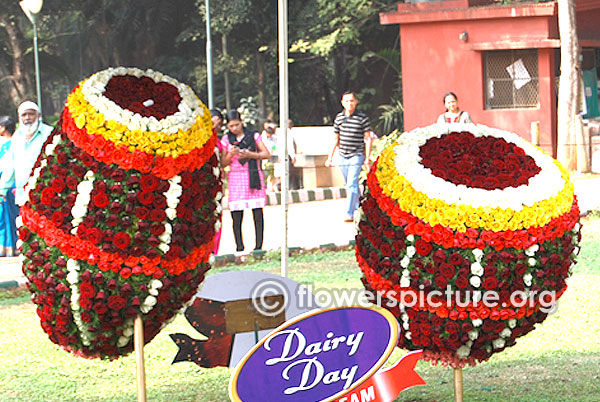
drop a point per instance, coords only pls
(298, 196)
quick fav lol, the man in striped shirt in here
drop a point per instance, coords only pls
(353, 139)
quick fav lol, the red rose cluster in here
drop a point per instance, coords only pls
(441, 330)
(474, 162)
(131, 92)
(140, 246)
(106, 151)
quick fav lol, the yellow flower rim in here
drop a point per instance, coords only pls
(459, 217)
(158, 143)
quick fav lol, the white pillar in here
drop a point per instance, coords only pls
(283, 116)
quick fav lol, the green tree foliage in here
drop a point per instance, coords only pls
(330, 46)
(329, 43)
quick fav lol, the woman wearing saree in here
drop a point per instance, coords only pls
(8, 209)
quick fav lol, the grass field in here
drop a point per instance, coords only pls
(559, 361)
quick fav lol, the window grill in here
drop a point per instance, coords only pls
(511, 79)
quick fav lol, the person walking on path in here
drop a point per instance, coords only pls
(8, 208)
(25, 147)
(353, 139)
(243, 151)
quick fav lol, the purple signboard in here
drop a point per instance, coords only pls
(318, 356)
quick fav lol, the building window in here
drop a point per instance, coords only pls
(511, 79)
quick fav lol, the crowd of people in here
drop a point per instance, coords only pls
(255, 161)
(255, 164)
(242, 149)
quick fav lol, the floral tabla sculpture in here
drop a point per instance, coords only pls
(454, 214)
(123, 204)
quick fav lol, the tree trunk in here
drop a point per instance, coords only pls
(569, 89)
(584, 163)
(338, 69)
(262, 90)
(20, 86)
(228, 104)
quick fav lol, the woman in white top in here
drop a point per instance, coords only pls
(453, 113)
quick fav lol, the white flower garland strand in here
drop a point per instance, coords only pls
(464, 350)
(147, 305)
(410, 252)
(476, 268)
(190, 106)
(218, 210)
(151, 300)
(33, 179)
(405, 322)
(173, 195)
(73, 279)
(546, 184)
(575, 232)
(218, 197)
(127, 333)
(532, 262)
(80, 207)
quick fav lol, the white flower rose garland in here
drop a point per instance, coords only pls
(546, 184)
(190, 106)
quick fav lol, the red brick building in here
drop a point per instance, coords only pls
(501, 60)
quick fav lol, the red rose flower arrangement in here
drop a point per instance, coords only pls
(115, 227)
(470, 232)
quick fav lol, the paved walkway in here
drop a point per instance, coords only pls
(310, 225)
(587, 189)
(10, 269)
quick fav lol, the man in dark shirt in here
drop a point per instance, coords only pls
(353, 139)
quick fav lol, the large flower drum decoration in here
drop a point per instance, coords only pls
(470, 233)
(123, 203)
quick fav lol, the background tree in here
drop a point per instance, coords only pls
(332, 43)
(571, 151)
(16, 81)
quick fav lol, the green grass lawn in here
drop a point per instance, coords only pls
(559, 361)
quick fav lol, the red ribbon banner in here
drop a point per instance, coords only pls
(385, 386)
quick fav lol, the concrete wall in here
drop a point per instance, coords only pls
(313, 145)
(435, 61)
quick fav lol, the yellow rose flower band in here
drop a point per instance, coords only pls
(180, 138)
(158, 143)
(462, 216)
